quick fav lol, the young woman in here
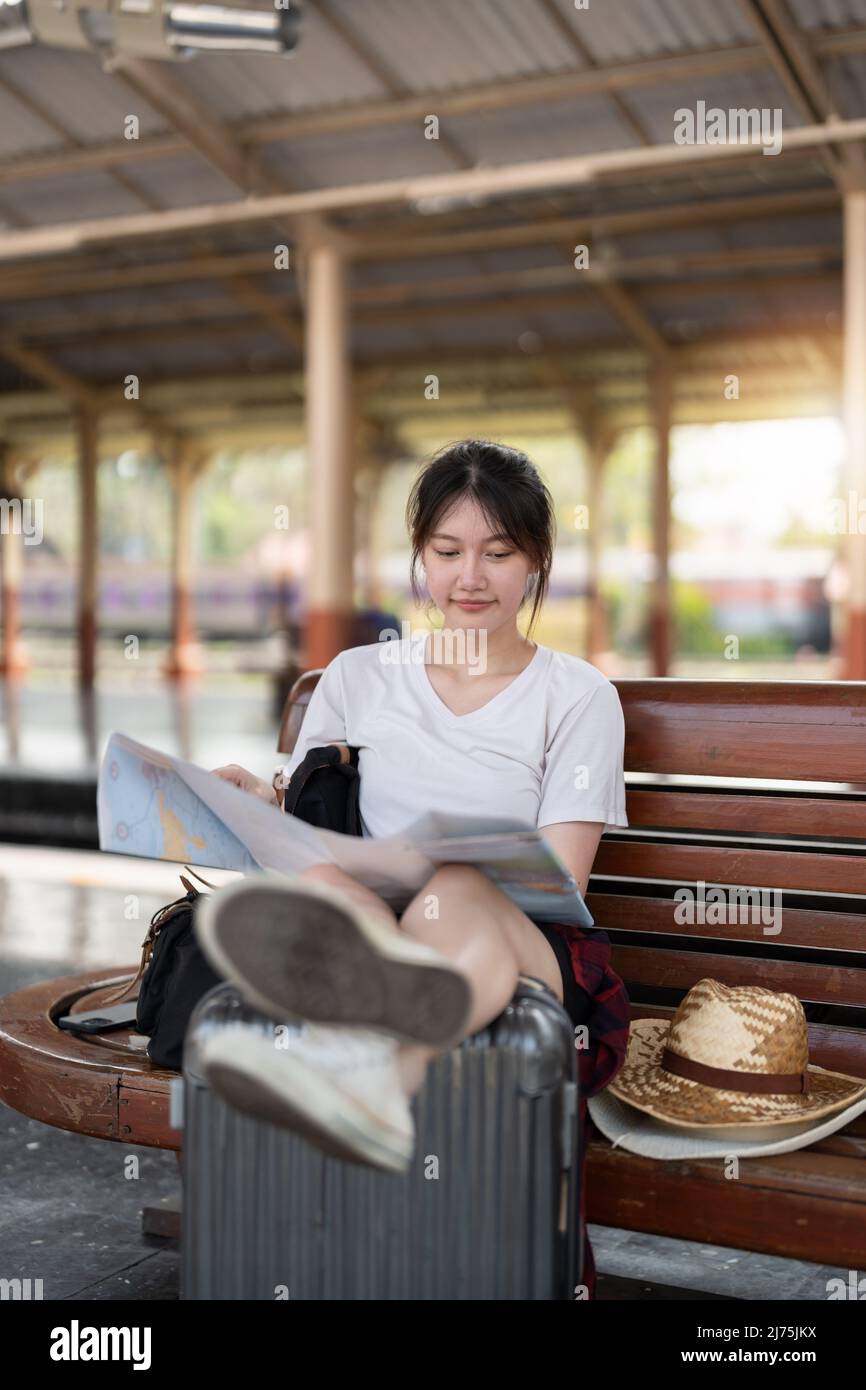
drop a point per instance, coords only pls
(489, 724)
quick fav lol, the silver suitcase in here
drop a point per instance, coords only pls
(489, 1209)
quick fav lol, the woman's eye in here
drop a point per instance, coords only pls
(496, 555)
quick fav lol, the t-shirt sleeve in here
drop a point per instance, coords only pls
(583, 776)
(325, 718)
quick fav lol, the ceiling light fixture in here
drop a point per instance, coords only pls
(153, 29)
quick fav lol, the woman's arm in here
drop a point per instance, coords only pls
(576, 843)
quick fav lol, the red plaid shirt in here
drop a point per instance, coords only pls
(608, 1026)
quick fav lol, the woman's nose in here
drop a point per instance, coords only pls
(470, 575)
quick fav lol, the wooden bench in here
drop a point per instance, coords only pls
(102, 1085)
(808, 842)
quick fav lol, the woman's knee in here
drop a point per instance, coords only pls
(327, 873)
(439, 907)
(458, 883)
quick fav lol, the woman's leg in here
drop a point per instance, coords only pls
(411, 1059)
(482, 931)
(477, 927)
(365, 897)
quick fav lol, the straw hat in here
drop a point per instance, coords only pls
(732, 1064)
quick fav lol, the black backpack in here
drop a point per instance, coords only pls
(174, 972)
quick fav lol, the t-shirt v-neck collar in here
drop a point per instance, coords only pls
(436, 702)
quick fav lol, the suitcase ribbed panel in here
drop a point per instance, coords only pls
(265, 1211)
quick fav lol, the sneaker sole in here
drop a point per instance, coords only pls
(299, 1098)
(304, 950)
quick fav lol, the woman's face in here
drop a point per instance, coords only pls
(465, 560)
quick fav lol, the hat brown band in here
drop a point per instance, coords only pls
(764, 1083)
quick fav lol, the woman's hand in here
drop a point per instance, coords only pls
(247, 781)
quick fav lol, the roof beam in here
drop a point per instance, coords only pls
(414, 292)
(388, 241)
(801, 76)
(604, 360)
(241, 288)
(200, 128)
(40, 367)
(632, 318)
(202, 131)
(616, 299)
(66, 331)
(568, 171)
(178, 321)
(354, 116)
(578, 47)
(90, 272)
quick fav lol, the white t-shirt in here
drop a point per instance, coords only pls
(547, 748)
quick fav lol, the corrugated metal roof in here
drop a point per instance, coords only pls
(176, 181)
(620, 31)
(74, 90)
(828, 14)
(450, 44)
(657, 106)
(846, 78)
(580, 126)
(417, 46)
(824, 229)
(322, 71)
(159, 359)
(351, 156)
(66, 196)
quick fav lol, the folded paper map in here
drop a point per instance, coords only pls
(160, 807)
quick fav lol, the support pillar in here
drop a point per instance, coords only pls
(88, 544)
(373, 447)
(661, 619)
(854, 414)
(13, 658)
(597, 633)
(185, 462)
(330, 585)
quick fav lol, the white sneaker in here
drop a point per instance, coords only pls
(299, 948)
(340, 1088)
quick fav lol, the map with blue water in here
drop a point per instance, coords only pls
(146, 809)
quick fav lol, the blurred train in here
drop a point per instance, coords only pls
(782, 591)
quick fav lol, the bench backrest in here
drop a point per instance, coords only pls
(697, 756)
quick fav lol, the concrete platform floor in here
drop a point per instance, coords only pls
(70, 1206)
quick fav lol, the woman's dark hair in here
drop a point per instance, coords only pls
(509, 490)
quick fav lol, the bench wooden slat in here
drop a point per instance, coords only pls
(687, 864)
(805, 1206)
(837, 931)
(821, 984)
(806, 730)
(741, 813)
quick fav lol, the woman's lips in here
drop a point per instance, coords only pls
(472, 607)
